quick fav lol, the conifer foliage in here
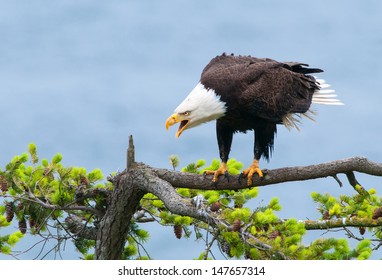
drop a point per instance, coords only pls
(59, 203)
(44, 193)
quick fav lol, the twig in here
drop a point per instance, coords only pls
(338, 180)
(208, 248)
(140, 245)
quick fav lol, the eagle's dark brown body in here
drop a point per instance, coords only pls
(259, 94)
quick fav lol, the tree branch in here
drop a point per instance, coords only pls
(77, 228)
(275, 176)
(339, 223)
(130, 155)
(147, 180)
(182, 206)
(31, 197)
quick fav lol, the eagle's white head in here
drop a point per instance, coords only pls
(200, 106)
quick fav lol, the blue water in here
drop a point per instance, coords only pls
(78, 77)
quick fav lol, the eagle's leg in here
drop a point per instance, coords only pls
(224, 135)
(222, 170)
(252, 169)
(264, 138)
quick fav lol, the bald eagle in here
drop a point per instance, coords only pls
(245, 93)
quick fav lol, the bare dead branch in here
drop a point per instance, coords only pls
(130, 158)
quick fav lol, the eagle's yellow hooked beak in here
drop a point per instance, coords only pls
(175, 118)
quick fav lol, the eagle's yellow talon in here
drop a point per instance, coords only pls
(221, 171)
(254, 168)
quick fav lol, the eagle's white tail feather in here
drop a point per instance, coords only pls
(326, 91)
(325, 86)
(322, 96)
(325, 95)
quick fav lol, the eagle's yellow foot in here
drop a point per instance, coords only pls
(221, 171)
(254, 168)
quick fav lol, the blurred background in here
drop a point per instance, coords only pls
(78, 77)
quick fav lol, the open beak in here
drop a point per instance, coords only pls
(175, 118)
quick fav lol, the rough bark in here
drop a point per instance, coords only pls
(276, 176)
(115, 224)
(123, 203)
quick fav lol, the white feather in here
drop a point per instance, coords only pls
(324, 86)
(324, 95)
(203, 105)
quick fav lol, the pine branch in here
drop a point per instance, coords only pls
(276, 176)
(147, 180)
(47, 205)
(340, 223)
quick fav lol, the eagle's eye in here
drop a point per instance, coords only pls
(187, 113)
